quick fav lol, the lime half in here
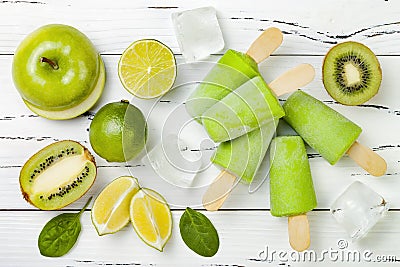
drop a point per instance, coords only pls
(147, 68)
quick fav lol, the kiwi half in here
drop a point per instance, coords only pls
(57, 175)
(351, 73)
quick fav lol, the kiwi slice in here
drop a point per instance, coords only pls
(57, 175)
(351, 73)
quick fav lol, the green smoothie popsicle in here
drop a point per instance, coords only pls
(292, 190)
(249, 107)
(242, 156)
(291, 187)
(239, 159)
(329, 132)
(323, 128)
(232, 70)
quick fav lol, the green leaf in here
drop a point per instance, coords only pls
(59, 234)
(198, 233)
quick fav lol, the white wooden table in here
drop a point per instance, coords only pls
(244, 224)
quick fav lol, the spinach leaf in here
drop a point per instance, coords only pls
(59, 234)
(199, 233)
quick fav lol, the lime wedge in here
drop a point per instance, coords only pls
(110, 212)
(147, 69)
(151, 218)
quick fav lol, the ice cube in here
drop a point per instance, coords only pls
(174, 162)
(358, 209)
(198, 33)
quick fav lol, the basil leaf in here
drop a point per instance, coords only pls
(59, 234)
(198, 233)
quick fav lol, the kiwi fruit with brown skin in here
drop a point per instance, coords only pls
(57, 175)
(351, 73)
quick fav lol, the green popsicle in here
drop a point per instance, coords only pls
(249, 107)
(242, 156)
(324, 129)
(232, 70)
(291, 186)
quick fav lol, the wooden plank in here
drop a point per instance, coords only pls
(22, 134)
(309, 27)
(241, 241)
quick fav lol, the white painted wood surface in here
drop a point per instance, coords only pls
(245, 225)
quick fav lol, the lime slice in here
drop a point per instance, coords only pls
(151, 218)
(110, 212)
(147, 68)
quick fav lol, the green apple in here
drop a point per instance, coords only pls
(58, 72)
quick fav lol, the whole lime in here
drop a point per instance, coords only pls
(118, 132)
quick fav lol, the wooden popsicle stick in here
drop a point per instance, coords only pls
(367, 159)
(299, 232)
(218, 191)
(265, 44)
(293, 79)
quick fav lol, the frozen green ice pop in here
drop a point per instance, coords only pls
(253, 104)
(291, 187)
(323, 128)
(242, 156)
(240, 159)
(329, 132)
(232, 70)
(292, 190)
(250, 106)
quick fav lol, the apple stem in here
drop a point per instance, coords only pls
(50, 62)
